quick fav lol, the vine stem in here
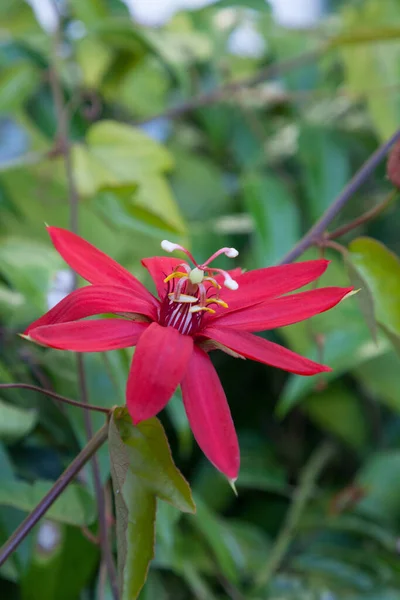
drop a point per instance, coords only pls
(367, 216)
(64, 144)
(217, 95)
(308, 477)
(62, 482)
(35, 388)
(316, 233)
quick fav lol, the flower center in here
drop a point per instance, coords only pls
(192, 291)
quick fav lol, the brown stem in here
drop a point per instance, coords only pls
(62, 482)
(35, 388)
(235, 86)
(365, 218)
(316, 233)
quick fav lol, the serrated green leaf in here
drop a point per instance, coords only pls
(15, 423)
(142, 471)
(150, 459)
(75, 506)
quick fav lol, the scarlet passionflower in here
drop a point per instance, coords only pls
(199, 308)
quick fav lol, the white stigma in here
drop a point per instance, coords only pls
(170, 246)
(231, 253)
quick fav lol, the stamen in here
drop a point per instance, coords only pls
(185, 298)
(213, 282)
(175, 275)
(217, 301)
(171, 247)
(196, 309)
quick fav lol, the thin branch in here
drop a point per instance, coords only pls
(62, 482)
(227, 90)
(35, 388)
(308, 478)
(73, 195)
(100, 494)
(316, 233)
(365, 218)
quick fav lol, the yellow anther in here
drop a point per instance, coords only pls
(195, 309)
(183, 298)
(217, 301)
(213, 282)
(175, 275)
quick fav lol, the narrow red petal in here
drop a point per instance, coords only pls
(282, 311)
(90, 336)
(264, 351)
(158, 366)
(159, 268)
(262, 284)
(209, 415)
(92, 264)
(95, 300)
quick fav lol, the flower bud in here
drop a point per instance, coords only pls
(393, 165)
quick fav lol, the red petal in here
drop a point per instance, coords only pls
(158, 367)
(262, 284)
(90, 336)
(256, 348)
(209, 415)
(95, 300)
(92, 264)
(282, 311)
(159, 268)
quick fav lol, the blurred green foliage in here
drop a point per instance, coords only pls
(253, 170)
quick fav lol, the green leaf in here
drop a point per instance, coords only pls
(259, 5)
(379, 478)
(380, 376)
(209, 525)
(344, 350)
(150, 459)
(142, 470)
(90, 11)
(15, 423)
(124, 160)
(23, 264)
(373, 65)
(116, 154)
(338, 411)
(364, 297)
(380, 269)
(275, 216)
(17, 82)
(75, 506)
(326, 170)
(63, 563)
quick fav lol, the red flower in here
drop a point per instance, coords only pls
(174, 333)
